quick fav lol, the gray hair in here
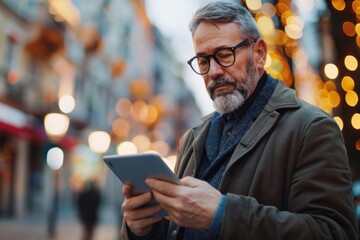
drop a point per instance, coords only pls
(226, 12)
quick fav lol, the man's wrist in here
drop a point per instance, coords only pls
(218, 217)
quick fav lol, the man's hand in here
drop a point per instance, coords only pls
(192, 204)
(139, 219)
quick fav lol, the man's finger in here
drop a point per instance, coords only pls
(126, 190)
(138, 201)
(163, 187)
(192, 182)
(141, 213)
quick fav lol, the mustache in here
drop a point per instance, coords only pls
(213, 83)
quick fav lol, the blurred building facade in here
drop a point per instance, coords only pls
(117, 72)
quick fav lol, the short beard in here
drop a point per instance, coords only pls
(228, 102)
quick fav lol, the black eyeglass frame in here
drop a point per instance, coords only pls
(243, 43)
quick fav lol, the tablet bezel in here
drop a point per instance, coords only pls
(134, 169)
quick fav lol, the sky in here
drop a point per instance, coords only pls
(172, 18)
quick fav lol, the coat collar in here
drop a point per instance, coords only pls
(282, 98)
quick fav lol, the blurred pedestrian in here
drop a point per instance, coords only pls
(88, 203)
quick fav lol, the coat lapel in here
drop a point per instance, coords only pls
(196, 151)
(261, 126)
(282, 98)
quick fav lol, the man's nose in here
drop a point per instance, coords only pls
(215, 69)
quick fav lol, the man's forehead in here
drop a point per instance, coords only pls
(209, 32)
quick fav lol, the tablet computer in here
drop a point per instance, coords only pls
(134, 169)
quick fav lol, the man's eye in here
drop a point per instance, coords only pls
(202, 61)
(224, 55)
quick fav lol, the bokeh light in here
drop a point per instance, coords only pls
(347, 83)
(348, 29)
(266, 25)
(142, 143)
(338, 4)
(67, 103)
(99, 141)
(351, 62)
(121, 128)
(253, 5)
(123, 107)
(339, 122)
(334, 98)
(355, 121)
(351, 98)
(56, 125)
(331, 71)
(357, 145)
(55, 158)
(126, 148)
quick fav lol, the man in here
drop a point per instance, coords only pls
(265, 165)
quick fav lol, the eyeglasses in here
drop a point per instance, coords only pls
(225, 57)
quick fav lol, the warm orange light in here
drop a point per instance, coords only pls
(253, 5)
(136, 109)
(282, 7)
(140, 88)
(357, 145)
(358, 41)
(351, 98)
(355, 121)
(284, 15)
(338, 4)
(149, 114)
(294, 27)
(356, 7)
(329, 85)
(266, 25)
(357, 28)
(121, 128)
(348, 29)
(123, 107)
(339, 122)
(351, 62)
(334, 98)
(347, 83)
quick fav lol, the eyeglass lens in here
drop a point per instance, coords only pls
(224, 57)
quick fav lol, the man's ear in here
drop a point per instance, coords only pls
(260, 51)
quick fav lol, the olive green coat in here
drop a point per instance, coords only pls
(288, 178)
